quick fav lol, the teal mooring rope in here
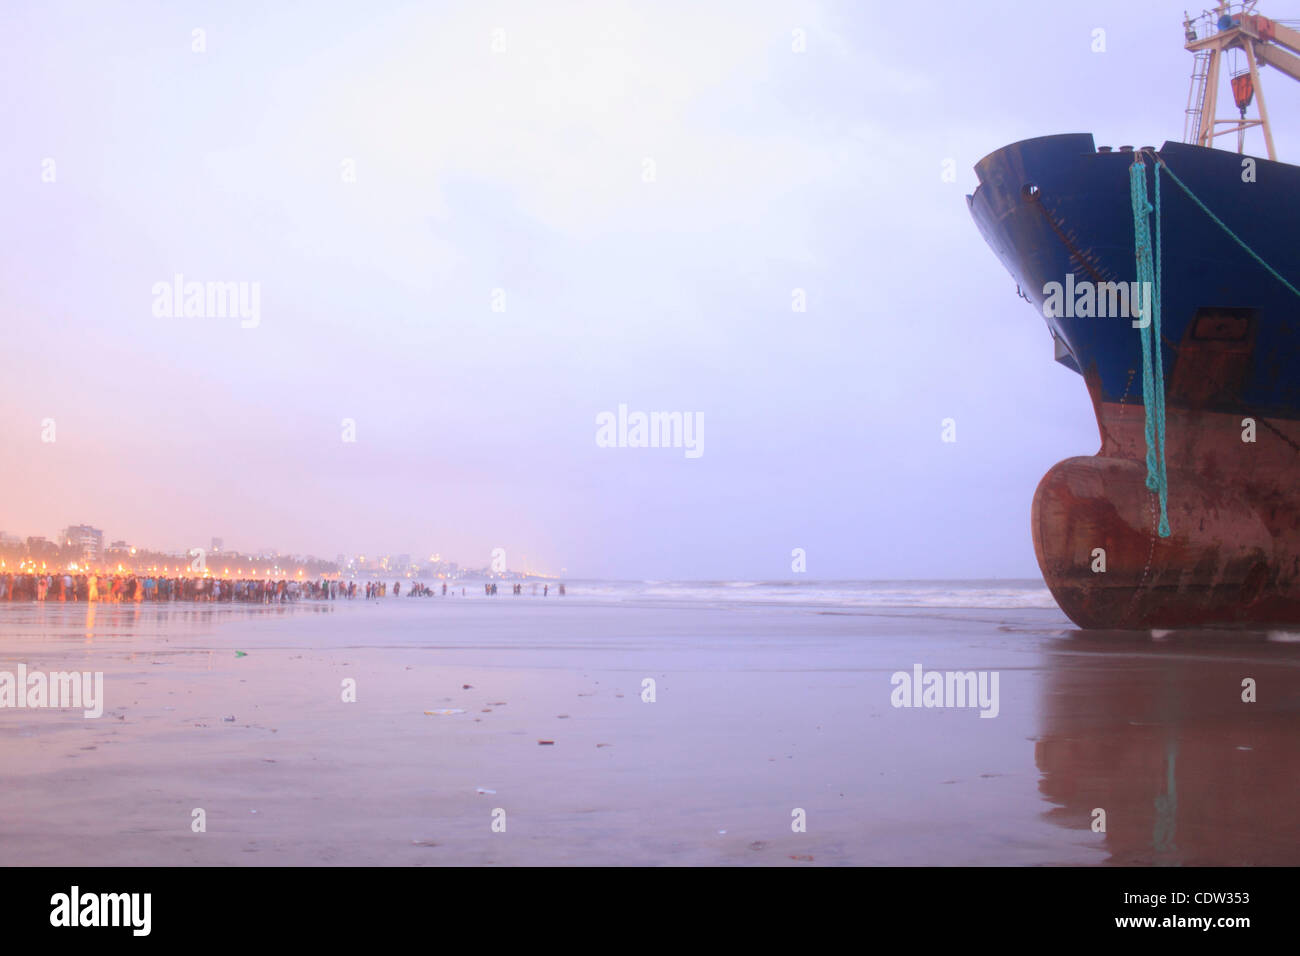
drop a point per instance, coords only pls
(1220, 223)
(1153, 373)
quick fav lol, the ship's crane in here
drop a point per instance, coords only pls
(1235, 26)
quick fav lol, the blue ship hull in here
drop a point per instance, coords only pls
(1058, 213)
(1080, 222)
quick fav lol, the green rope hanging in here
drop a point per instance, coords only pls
(1153, 373)
(1149, 270)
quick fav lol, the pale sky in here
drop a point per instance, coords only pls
(524, 168)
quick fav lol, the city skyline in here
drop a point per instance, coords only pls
(85, 541)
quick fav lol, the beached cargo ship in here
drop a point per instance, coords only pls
(1170, 281)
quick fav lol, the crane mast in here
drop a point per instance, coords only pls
(1210, 36)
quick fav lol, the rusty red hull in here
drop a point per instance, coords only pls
(1233, 557)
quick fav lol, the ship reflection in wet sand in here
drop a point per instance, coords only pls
(1154, 731)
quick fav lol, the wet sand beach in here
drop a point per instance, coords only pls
(759, 711)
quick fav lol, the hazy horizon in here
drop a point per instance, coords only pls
(475, 228)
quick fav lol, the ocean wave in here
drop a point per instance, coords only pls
(876, 594)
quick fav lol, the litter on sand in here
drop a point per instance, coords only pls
(240, 654)
(546, 743)
(483, 790)
(444, 712)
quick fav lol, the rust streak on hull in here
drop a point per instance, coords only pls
(1234, 556)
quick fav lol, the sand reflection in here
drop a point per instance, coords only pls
(1155, 732)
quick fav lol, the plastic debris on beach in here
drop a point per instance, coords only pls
(444, 712)
(546, 743)
(466, 686)
(241, 654)
(483, 790)
(230, 719)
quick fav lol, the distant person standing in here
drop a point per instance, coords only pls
(397, 589)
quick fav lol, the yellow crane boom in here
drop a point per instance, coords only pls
(1264, 41)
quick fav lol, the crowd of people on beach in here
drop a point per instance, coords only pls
(491, 589)
(127, 588)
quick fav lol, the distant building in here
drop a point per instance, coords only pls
(40, 549)
(217, 544)
(83, 540)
